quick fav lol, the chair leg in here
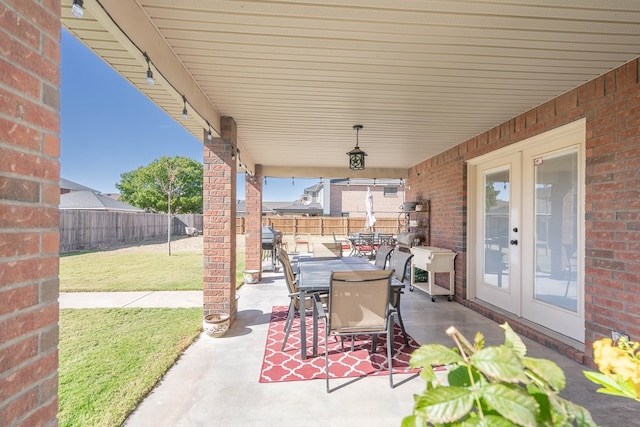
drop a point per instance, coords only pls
(390, 349)
(287, 326)
(326, 355)
(399, 314)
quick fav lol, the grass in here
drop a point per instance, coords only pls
(111, 358)
(114, 271)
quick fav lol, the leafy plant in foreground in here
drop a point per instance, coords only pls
(491, 386)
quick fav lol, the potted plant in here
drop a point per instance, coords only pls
(491, 386)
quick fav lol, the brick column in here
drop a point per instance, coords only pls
(219, 211)
(29, 215)
(253, 221)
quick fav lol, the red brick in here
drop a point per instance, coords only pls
(17, 353)
(18, 244)
(26, 270)
(19, 135)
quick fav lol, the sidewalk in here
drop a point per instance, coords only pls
(170, 299)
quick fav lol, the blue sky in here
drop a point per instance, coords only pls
(108, 128)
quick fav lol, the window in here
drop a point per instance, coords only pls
(390, 191)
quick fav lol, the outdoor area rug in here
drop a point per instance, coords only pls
(279, 366)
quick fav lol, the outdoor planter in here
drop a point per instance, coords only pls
(251, 276)
(216, 324)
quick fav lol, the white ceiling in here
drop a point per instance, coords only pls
(421, 76)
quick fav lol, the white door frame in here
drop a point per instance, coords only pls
(570, 324)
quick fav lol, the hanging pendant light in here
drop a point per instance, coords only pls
(356, 156)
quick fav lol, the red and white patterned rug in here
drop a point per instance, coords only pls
(279, 366)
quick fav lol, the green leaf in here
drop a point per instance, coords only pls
(444, 404)
(544, 416)
(499, 363)
(581, 415)
(478, 340)
(488, 421)
(433, 354)
(512, 403)
(611, 387)
(547, 370)
(512, 340)
(459, 376)
(413, 421)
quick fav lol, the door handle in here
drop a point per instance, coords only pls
(513, 242)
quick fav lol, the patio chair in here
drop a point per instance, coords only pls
(382, 256)
(359, 305)
(364, 245)
(294, 296)
(345, 244)
(399, 262)
(303, 240)
(383, 239)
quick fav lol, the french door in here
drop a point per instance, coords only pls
(498, 198)
(527, 228)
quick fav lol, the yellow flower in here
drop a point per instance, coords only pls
(619, 360)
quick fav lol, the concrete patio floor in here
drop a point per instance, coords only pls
(216, 383)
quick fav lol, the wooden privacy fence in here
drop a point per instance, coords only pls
(90, 230)
(86, 229)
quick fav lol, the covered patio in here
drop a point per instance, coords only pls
(427, 90)
(444, 91)
(217, 379)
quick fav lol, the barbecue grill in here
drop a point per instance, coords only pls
(271, 240)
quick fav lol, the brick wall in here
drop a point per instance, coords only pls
(611, 106)
(29, 197)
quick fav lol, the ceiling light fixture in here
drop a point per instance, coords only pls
(185, 115)
(356, 156)
(77, 8)
(150, 80)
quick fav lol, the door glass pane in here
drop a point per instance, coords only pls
(496, 228)
(556, 207)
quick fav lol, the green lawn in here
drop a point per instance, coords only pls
(111, 358)
(112, 271)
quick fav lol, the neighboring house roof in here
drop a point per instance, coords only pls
(301, 208)
(65, 184)
(267, 207)
(89, 200)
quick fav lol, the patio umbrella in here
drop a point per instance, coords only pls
(368, 202)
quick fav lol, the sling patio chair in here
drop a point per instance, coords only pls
(382, 256)
(358, 305)
(364, 245)
(295, 305)
(345, 244)
(399, 262)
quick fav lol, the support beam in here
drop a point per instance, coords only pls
(219, 231)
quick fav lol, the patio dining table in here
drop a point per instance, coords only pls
(315, 276)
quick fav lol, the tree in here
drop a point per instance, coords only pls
(172, 185)
(167, 180)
